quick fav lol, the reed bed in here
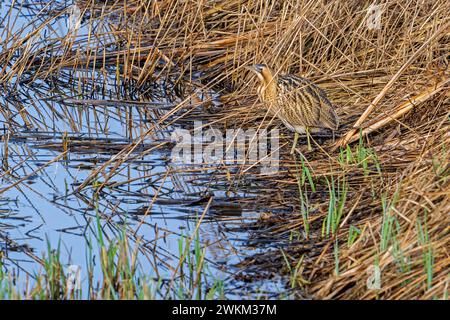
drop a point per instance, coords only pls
(361, 215)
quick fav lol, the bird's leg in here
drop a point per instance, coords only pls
(308, 139)
(296, 135)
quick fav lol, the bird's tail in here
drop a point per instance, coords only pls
(329, 117)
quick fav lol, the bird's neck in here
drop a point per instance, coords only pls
(269, 85)
(270, 91)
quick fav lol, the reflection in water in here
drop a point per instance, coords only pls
(58, 132)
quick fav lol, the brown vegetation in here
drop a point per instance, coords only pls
(377, 196)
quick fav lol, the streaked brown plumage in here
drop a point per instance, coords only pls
(296, 101)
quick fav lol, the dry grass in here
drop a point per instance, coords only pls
(390, 88)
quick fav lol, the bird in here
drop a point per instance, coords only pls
(301, 105)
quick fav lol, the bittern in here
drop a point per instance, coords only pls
(301, 105)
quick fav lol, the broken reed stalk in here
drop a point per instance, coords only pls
(346, 139)
(401, 110)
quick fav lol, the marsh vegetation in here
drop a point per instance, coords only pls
(91, 92)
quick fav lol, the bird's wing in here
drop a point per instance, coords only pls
(323, 114)
(328, 117)
(300, 102)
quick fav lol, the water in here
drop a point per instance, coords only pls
(147, 197)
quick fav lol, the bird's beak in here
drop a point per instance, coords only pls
(256, 71)
(251, 68)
